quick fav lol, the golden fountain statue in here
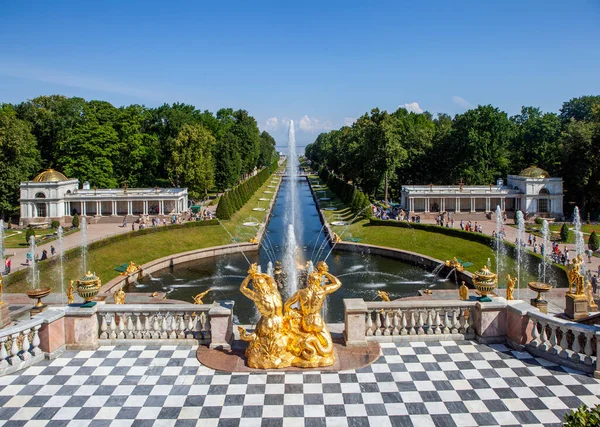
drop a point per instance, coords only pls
(463, 292)
(70, 295)
(131, 269)
(119, 296)
(577, 303)
(510, 287)
(300, 336)
(385, 296)
(454, 263)
(198, 298)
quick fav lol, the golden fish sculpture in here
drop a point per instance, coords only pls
(285, 335)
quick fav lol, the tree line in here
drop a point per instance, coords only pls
(382, 151)
(171, 145)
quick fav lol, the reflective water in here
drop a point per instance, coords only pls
(361, 274)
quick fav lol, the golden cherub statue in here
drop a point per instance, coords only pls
(463, 292)
(336, 238)
(70, 295)
(385, 296)
(510, 287)
(131, 268)
(119, 296)
(198, 298)
(590, 297)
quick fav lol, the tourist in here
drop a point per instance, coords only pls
(530, 239)
(44, 255)
(52, 251)
(534, 240)
(535, 248)
(589, 253)
(594, 283)
(462, 225)
(132, 226)
(164, 221)
(7, 263)
(567, 255)
(124, 222)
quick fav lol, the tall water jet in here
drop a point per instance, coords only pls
(520, 240)
(61, 259)
(270, 269)
(32, 249)
(84, 244)
(545, 249)
(579, 241)
(2, 244)
(290, 262)
(500, 250)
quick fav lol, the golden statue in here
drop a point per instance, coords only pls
(590, 297)
(454, 263)
(336, 238)
(267, 345)
(463, 292)
(310, 340)
(198, 298)
(119, 296)
(131, 269)
(576, 277)
(279, 275)
(510, 287)
(385, 296)
(254, 240)
(70, 295)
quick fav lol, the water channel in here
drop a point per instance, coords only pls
(362, 275)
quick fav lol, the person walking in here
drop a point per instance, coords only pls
(52, 251)
(594, 283)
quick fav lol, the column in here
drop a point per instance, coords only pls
(99, 208)
(443, 204)
(472, 204)
(426, 204)
(161, 207)
(114, 208)
(145, 208)
(129, 207)
(411, 204)
(83, 212)
(457, 205)
(487, 204)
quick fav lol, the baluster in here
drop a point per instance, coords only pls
(535, 334)
(554, 347)
(396, 322)
(25, 346)
(164, 327)
(437, 330)
(14, 349)
(190, 326)
(467, 325)
(103, 327)
(130, 327)
(447, 324)
(369, 325)
(404, 321)
(386, 323)
(155, 326)
(429, 323)
(139, 332)
(587, 350)
(412, 324)
(564, 344)
(377, 323)
(113, 326)
(121, 325)
(35, 343)
(207, 334)
(576, 356)
(148, 324)
(174, 326)
(420, 330)
(454, 321)
(3, 352)
(181, 334)
(545, 345)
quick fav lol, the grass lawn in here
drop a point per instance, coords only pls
(587, 229)
(145, 248)
(16, 238)
(435, 245)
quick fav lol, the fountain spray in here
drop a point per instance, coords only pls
(292, 216)
(520, 240)
(579, 241)
(499, 243)
(2, 242)
(546, 249)
(32, 250)
(61, 258)
(84, 244)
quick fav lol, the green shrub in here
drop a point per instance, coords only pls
(30, 232)
(594, 241)
(564, 233)
(583, 417)
(55, 224)
(539, 220)
(75, 222)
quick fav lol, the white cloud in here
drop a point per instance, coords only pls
(348, 121)
(412, 107)
(311, 124)
(272, 124)
(462, 102)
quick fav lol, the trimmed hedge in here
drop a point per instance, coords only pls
(473, 237)
(355, 199)
(233, 200)
(21, 275)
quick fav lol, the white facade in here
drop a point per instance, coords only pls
(53, 196)
(532, 192)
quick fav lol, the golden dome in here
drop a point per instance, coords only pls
(50, 175)
(534, 172)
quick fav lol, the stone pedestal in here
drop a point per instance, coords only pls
(576, 306)
(540, 304)
(519, 327)
(81, 328)
(4, 315)
(489, 321)
(221, 326)
(355, 311)
(52, 333)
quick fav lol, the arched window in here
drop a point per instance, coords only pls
(40, 196)
(543, 201)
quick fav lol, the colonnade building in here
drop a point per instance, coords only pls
(533, 192)
(53, 196)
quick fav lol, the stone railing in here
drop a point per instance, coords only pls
(165, 323)
(408, 320)
(564, 342)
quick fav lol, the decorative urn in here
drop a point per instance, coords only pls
(88, 287)
(539, 301)
(38, 294)
(485, 282)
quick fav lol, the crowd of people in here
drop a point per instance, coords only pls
(144, 221)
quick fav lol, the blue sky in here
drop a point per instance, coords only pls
(321, 64)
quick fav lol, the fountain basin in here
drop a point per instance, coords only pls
(331, 208)
(38, 294)
(539, 301)
(259, 209)
(338, 223)
(264, 199)
(250, 224)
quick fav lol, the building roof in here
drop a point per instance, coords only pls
(50, 175)
(534, 172)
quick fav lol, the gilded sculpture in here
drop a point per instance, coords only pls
(284, 335)
(119, 296)
(575, 276)
(590, 297)
(131, 269)
(385, 296)
(70, 294)
(198, 298)
(510, 287)
(463, 292)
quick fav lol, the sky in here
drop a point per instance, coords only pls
(319, 63)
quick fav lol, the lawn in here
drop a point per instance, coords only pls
(435, 245)
(147, 247)
(16, 238)
(587, 229)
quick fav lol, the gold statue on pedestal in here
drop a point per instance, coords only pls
(70, 294)
(576, 277)
(300, 336)
(385, 296)
(119, 296)
(510, 287)
(463, 292)
(590, 297)
(198, 298)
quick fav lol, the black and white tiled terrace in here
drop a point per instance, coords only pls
(442, 384)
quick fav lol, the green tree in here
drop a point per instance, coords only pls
(191, 164)
(19, 158)
(579, 108)
(594, 241)
(75, 221)
(564, 233)
(267, 149)
(28, 234)
(228, 162)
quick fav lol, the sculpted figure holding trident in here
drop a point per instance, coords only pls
(310, 340)
(267, 345)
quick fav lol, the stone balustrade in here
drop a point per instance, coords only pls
(151, 322)
(564, 342)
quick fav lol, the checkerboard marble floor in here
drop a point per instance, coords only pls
(422, 384)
